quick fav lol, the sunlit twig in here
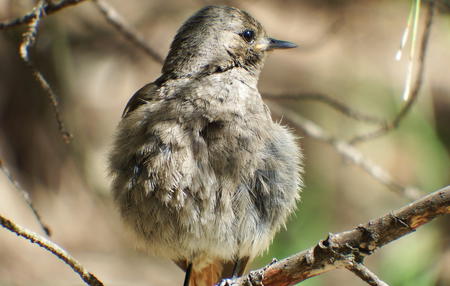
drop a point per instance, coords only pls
(26, 197)
(29, 38)
(49, 7)
(382, 130)
(52, 247)
(345, 248)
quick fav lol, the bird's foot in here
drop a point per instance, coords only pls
(227, 282)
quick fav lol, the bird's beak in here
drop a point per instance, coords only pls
(268, 44)
(277, 44)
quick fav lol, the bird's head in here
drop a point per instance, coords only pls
(216, 39)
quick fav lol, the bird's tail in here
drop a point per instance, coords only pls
(212, 273)
(207, 276)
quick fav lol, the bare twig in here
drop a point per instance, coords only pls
(52, 247)
(365, 274)
(26, 197)
(353, 245)
(114, 19)
(49, 7)
(415, 89)
(348, 151)
(29, 38)
(332, 102)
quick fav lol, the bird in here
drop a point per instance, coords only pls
(200, 171)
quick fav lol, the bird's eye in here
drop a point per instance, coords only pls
(248, 35)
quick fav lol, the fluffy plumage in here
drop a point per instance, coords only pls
(200, 170)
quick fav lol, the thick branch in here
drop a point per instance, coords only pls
(338, 249)
(33, 237)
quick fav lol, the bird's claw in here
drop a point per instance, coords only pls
(226, 282)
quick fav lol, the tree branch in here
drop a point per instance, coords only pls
(29, 38)
(365, 274)
(48, 8)
(332, 102)
(348, 151)
(26, 197)
(52, 247)
(338, 250)
(115, 20)
(416, 87)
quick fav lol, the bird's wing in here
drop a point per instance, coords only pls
(145, 94)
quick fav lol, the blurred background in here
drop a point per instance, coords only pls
(347, 51)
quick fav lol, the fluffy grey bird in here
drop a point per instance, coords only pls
(200, 170)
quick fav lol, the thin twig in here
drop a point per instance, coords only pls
(332, 102)
(29, 38)
(348, 151)
(52, 247)
(416, 87)
(26, 196)
(365, 274)
(48, 8)
(334, 252)
(113, 17)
